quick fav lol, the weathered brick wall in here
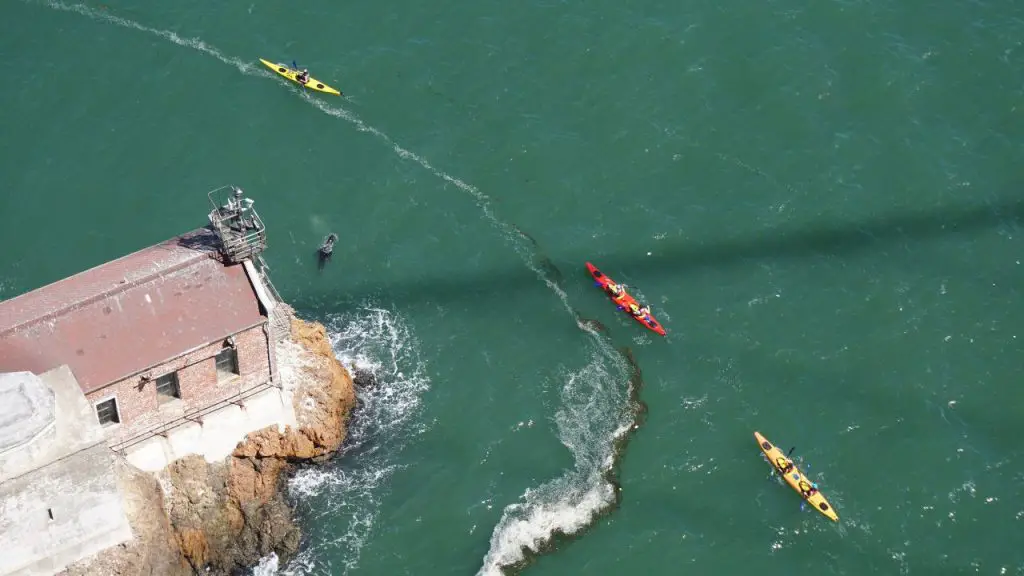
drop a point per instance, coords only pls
(140, 409)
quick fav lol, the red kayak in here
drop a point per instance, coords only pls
(625, 301)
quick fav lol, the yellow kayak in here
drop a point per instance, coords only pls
(794, 477)
(312, 83)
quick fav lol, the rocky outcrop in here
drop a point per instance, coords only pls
(230, 515)
(201, 518)
(227, 516)
(324, 399)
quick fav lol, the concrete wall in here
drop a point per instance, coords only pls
(137, 402)
(88, 516)
(219, 433)
(27, 422)
(73, 424)
(59, 500)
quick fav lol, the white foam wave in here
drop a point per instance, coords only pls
(375, 341)
(590, 420)
(569, 503)
(268, 566)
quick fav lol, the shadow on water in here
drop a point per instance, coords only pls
(835, 239)
(842, 239)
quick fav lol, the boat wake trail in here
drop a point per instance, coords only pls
(599, 401)
(521, 242)
(600, 407)
(193, 43)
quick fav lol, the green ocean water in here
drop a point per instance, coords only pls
(822, 203)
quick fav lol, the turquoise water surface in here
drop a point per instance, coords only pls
(821, 202)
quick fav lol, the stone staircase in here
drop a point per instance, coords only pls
(280, 322)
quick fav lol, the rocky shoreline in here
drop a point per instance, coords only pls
(196, 517)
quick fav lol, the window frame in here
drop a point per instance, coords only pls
(234, 372)
(117, 411)
(175, 384)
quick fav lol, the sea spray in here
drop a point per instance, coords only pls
(377, 343)
(268, 566)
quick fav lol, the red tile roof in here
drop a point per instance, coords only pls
(128, 315)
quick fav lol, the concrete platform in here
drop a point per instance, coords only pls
(28, 409)
(58, 492)
(218, 435)
(60, 514)
(51, 420)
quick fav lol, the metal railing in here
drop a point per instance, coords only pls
(264, 269)
(193, 417)
(240, 229)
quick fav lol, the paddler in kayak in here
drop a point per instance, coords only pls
(783, 465)
(302, 77)
(808, 490)
(639, 311)
(615, 290)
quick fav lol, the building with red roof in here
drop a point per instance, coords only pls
(158, 339)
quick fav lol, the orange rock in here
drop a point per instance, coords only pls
(194, 546)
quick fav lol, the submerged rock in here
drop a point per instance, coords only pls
(364, 378)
